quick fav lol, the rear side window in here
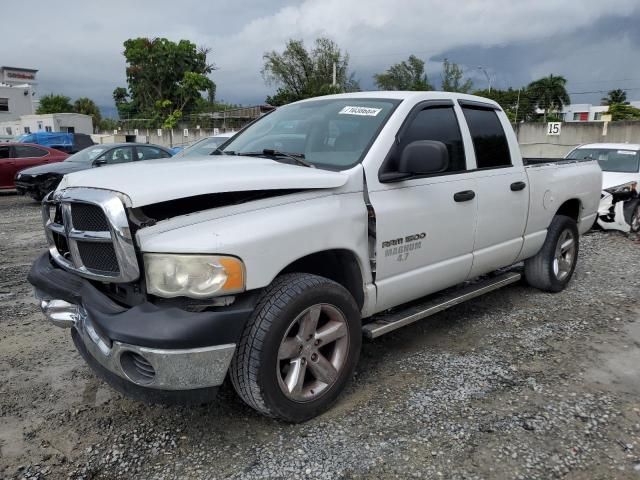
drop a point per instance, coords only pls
(441, 124)
(27, 151)
(4, 152)
(489, 140)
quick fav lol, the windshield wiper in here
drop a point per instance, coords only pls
(269, 152)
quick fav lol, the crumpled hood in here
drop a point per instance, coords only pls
(155, 181)
(613, 179)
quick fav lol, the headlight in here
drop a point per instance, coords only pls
(194, 276)
(625, 187)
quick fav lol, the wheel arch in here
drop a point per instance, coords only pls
(340, 265)
(571, 208)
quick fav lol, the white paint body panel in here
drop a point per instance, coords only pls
(155, 181)
(462, 239)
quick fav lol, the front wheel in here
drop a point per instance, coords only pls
(553, 266)
(299, 349)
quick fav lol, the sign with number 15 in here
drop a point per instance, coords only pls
(553, 128)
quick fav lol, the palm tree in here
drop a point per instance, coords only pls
(615, 96)
(549, 93)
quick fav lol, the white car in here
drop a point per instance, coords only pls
(620, 162)
(269, 261)
(204, 146)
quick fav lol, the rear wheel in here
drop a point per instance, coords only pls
(553, 266)
(299, 349)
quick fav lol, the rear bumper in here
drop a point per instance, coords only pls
(149, 346)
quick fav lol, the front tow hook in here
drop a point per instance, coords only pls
(60, 313)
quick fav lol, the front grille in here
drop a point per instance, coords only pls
(89, 218)
(88, 233)
(98, 256)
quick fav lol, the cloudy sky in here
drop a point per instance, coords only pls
(77, 45)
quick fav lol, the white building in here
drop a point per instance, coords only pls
(586, 112)
(17, 93)
(50, 122)
(19, 102)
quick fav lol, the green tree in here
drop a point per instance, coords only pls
(406, 75)
(108, 125)
(622, 111)
(549, 94)
(86, 106)
(299, 73)
(615, 96)
(515, 103)
(452, 78)
(160, 70)
(53, 103)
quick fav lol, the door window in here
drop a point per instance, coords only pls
(4, 152)
(118, 155)
(151, 153)
(433, 123)
(27, 151)
(489, 140)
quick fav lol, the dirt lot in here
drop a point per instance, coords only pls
(518, 384)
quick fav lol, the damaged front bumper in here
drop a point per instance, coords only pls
(617, 213)
(148, 346)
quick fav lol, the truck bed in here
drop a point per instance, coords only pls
(533, 161)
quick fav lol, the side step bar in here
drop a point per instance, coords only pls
(387, 322)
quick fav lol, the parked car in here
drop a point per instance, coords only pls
(39, 181)
(270, 261)
(620, 203)
(65, 142)
(205, 146)
(15, 157)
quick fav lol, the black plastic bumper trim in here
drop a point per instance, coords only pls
(145, 325)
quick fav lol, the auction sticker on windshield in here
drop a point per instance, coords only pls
(366, 111)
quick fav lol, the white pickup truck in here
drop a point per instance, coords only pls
(321, 222)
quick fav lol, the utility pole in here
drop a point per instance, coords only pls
(486, 74)
(334, 74)
(515, 120)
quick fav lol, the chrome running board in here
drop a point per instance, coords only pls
(387, 322)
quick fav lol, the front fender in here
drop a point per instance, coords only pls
(269, 239)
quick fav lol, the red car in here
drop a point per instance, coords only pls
(18, 156)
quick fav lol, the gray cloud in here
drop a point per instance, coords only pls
(78, 50)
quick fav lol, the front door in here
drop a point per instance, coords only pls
(424, 226)
(7, 167)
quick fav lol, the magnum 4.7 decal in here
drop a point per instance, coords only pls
(402, 247)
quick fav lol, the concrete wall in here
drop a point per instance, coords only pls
(179, 139)
(534, 141)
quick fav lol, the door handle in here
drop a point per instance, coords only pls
(464, 196)
(516, 186)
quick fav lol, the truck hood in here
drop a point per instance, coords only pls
(154, 181)
(613, 179)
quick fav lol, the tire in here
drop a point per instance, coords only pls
(552, 267)
(38, 197)
(635, 220)
(288, 337)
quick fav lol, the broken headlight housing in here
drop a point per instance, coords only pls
(193, 276)
(629, 187)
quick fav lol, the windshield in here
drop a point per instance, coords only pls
(610, 159)
(333, 133)
(88, 155)
(202, 147)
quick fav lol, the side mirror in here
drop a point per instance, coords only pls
(99, 162)
(424, 157)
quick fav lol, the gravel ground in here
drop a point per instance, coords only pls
(516, 384)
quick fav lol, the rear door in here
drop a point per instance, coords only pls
(150, 153)
(501, 187)
(29, 156)
(7, 167)
(424, 226)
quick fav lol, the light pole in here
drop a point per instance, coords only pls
(486, 74)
